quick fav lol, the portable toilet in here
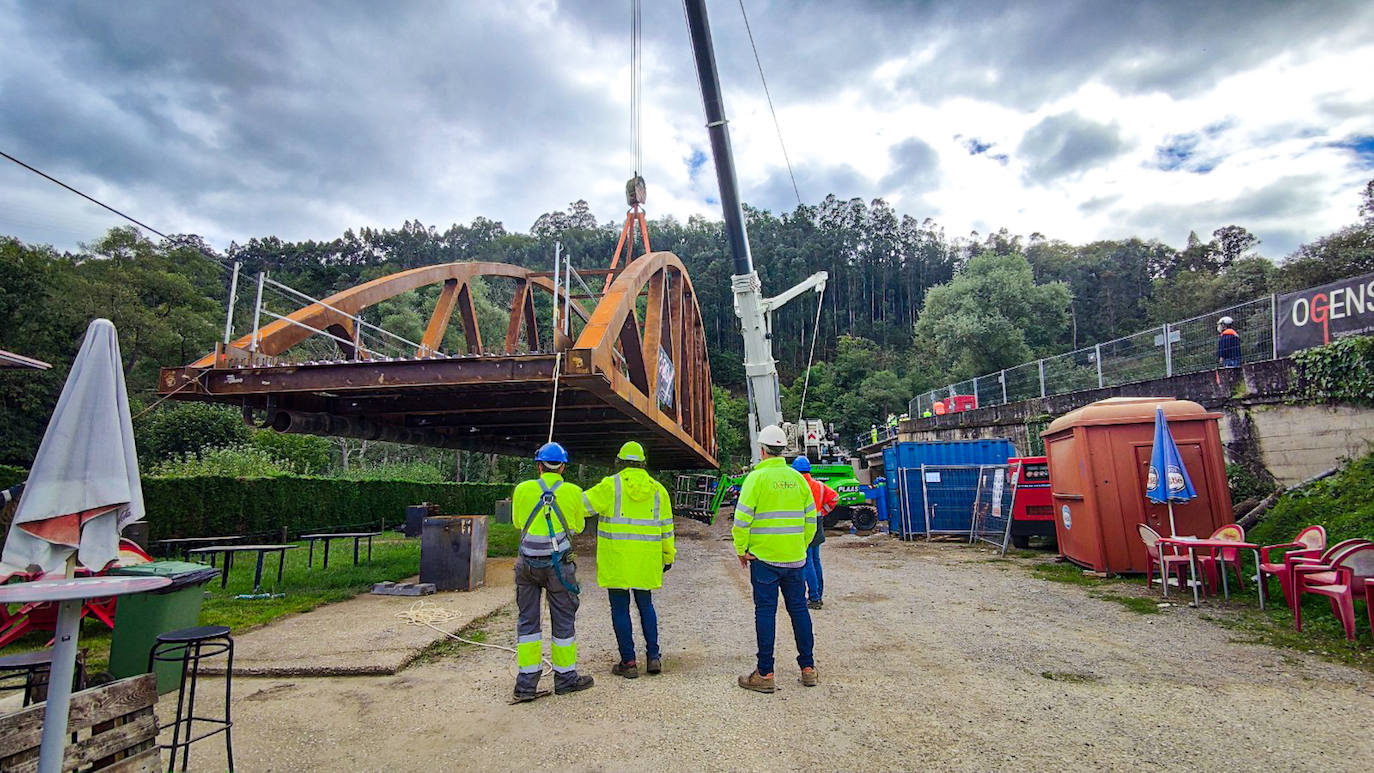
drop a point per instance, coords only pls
(1099, 458)
(932, 485)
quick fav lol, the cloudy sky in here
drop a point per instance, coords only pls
(1080, 119)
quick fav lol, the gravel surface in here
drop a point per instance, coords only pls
(930, 657)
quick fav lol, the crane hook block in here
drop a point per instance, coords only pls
(635, 193)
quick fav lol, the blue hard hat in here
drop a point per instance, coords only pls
(552, 453)
(801, 464)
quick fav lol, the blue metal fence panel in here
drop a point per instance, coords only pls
(950, 492)
(907, 491)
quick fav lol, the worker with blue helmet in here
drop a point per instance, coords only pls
(826, 499)
(549, 511)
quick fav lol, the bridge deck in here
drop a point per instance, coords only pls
(488, 403)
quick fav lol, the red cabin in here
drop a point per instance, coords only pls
(1032, 512)
(959, 403)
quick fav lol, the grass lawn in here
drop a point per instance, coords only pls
(393, 558)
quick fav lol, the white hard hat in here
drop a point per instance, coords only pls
(1225, 321)
(773, 436)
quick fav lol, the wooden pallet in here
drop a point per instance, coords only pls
(115, 726)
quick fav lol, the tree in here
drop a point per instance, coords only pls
(991, 316)
(1367, 203)
(176, 430)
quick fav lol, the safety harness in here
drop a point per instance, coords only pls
(548, 502)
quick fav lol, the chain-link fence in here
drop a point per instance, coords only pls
(992, 506)
(1171, 349)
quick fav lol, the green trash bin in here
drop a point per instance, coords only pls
(141, 617)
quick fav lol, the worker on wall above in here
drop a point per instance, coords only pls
(634, 547)
(552, 512)
(774, 522)
(825, 499)
(1228, 344)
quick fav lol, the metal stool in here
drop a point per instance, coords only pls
(32, 668)
(187, 646)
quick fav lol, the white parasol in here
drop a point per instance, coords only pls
(84, 485)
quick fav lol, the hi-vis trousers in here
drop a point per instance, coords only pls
(530, 583)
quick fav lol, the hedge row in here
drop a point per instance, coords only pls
(213, 505)
(11, 475)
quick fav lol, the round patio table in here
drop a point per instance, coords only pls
(69, 595)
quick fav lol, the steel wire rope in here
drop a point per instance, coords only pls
(429, 614)
(815, 331)
(769, 97)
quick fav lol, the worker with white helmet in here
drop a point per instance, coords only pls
(1228, 344)
(634, 547)
(775, 520)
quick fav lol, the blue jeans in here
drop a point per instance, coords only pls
(815, 578)
(620, 621)
(767, 580)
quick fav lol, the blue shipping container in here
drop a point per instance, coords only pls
(950, 494)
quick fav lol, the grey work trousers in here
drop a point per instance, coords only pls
(530, 584)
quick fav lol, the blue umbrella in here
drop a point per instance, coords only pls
(1168, 480)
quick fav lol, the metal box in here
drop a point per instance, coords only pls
(503, 511)
(453, 552)
(416, 515)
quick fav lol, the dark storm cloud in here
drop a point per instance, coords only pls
(1066, 144)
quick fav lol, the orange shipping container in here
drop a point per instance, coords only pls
(1099, 458)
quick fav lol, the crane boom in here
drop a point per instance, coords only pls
(761, 372)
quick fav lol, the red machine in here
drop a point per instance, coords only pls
(954, 404)
(1032, 512)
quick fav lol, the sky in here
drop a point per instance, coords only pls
(1076, 119)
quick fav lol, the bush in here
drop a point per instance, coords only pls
(1343, 503)
(305, 454)
(417, 472)
(232, 462)
(197, 506)
(1341, 370)
(176, 430)
(1245, 484)
(12, 475)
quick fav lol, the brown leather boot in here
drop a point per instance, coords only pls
(808, 677)
(758, 682)
(628, 670)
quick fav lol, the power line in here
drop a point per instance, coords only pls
(769, 96)
(85, 196)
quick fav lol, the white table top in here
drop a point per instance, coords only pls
(78, 588)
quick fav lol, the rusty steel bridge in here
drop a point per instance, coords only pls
(487, 399)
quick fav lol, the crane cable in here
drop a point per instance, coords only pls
(769, 97)
(820, 304)
(636, 68)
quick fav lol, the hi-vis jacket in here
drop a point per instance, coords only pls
(634, 533)
(529, 515)
(775, 517)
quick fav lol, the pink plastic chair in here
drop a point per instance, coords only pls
(1369, 601)
(1342, 581)
(1168, 563)
(1222, 557)
(1295, 557)
(1313, 538)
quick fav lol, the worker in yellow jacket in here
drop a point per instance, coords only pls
(634, 547)
(549, 511)
(775, 520)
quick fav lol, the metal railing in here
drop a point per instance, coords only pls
(992, 505)
(1172, 349)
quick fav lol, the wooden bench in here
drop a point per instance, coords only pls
(115, 727)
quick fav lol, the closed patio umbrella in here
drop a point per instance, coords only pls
(84, 485)
(1167, 481)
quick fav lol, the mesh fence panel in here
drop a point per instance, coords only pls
(1023, 382)
(1133, 358)
(1195, 345)
(1070, 372)
(989, 389)
(992, 506)
(950, 491)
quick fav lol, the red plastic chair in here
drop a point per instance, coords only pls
(1342, 581)
(1168, 563)
(1222, 557)
(1312, 538)
(1294, 557)
(1369, 601)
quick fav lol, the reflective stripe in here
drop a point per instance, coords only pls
(656, 513)
(769, 515)
(744, 509)
(632, 521)
(779, 530)
(811, 519)
(616, 512)
(565, 669)
(809, 509)
(568, 642)
(624, 535)
(786, 564)
(587, 503)
(741, 524)
(527, 638)
(534, 669)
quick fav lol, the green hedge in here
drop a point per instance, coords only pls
(213, 505)
(11, 475)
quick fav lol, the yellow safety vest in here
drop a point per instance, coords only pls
(634, 531)
(533, 512)
(775, 517)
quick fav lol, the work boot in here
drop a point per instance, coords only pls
(655, 666)
(628, 670)
(758, 682)
(817, 604)
(574, 683)
(808, 676)
(527, 695)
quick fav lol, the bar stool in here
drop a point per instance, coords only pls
(28, 671)
(187, 647)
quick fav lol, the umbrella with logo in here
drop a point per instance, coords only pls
(1167, 481)
(84, 485)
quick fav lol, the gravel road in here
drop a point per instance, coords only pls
(930, 657)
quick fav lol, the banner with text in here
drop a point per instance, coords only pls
(1320, 315)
